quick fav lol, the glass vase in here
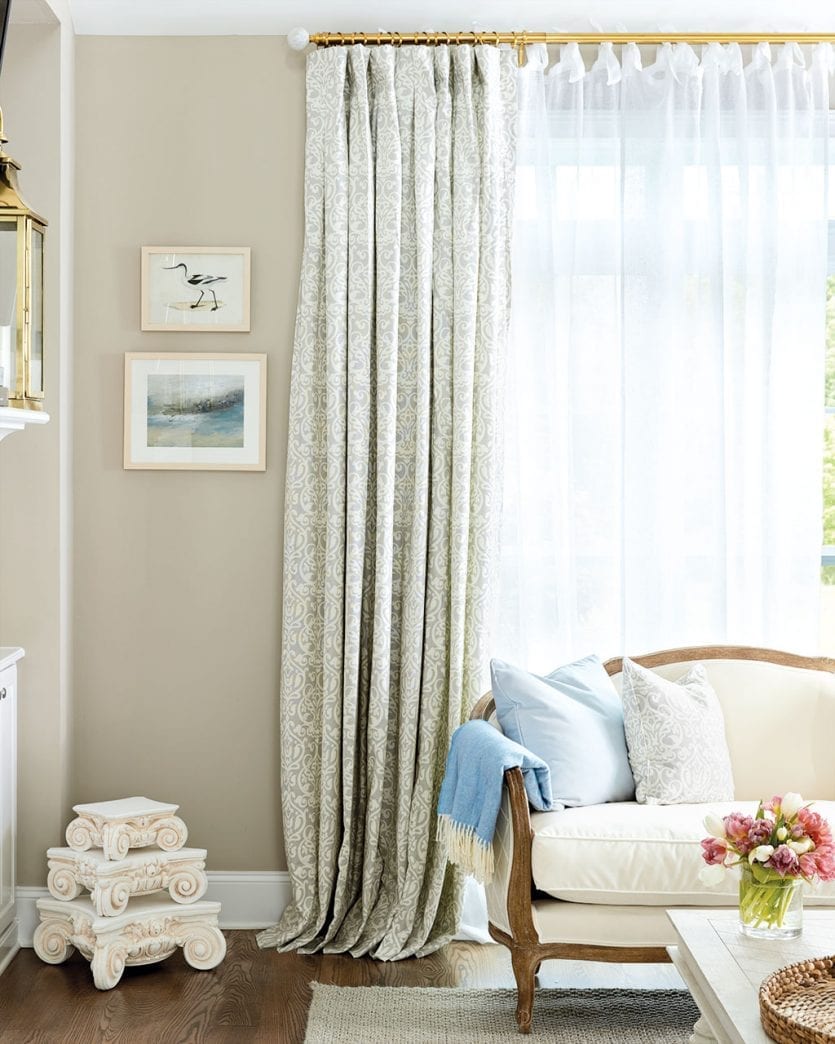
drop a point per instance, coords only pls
(770, 909)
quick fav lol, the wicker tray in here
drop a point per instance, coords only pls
(797, 1003)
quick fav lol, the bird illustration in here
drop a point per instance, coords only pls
(205, 282)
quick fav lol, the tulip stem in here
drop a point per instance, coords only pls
(765, 904)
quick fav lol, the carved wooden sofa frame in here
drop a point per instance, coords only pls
(526, 950)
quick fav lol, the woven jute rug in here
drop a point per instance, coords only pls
(378, 1014)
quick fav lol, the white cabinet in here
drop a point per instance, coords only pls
(8, 802)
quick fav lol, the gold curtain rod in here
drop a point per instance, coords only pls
(521, 39)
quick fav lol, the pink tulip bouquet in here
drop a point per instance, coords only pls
(783, 844)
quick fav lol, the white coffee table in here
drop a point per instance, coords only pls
(723, 969)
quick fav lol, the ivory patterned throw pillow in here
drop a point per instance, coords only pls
(675, 736)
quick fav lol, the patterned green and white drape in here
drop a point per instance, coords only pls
(392, 480)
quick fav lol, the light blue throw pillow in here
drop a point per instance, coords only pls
(573, 720)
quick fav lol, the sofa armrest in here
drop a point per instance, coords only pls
(510, 894)
(519, 879)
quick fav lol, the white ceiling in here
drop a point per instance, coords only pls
(271, 17)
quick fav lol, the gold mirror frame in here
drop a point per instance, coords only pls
(14, 209)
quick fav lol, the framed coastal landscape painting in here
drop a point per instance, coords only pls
(195, 289)
(195, 411)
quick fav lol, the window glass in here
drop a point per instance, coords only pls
(828, 562)
(830, 342)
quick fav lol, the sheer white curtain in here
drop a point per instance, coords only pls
(663, 428)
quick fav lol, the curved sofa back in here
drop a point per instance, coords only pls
(779, 713)
(779, 723)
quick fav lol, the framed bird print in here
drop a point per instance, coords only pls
(195, 411)
(203, 289)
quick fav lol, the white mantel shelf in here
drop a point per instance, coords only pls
(9, 654)
(14, 419)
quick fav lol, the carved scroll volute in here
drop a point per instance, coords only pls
(116, 840)
(62, 882)
(82, 833)
(171, 834)
(110, 897)
(52, 940)
(204, 947)
(187, 885)
(107, 965)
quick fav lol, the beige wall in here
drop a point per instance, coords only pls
(35, 464)
(182, 141)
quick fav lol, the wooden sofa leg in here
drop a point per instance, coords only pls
(525, 965)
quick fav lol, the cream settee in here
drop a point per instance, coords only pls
(593, 883)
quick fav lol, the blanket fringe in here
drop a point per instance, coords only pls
(466, 849)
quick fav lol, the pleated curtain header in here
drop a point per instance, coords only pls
(682, 60)
(380, 58)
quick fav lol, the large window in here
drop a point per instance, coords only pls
(663, 422)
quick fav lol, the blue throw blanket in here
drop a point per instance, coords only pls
(471, 793)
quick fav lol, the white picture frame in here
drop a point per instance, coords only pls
(195, 411)
(195, 289)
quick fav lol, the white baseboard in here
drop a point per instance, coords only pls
(252, 898)
(9, 944)
(249, 899)
(27, 913)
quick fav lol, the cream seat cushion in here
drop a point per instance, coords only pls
(627, 854)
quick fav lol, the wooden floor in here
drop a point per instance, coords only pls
(254, 995)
